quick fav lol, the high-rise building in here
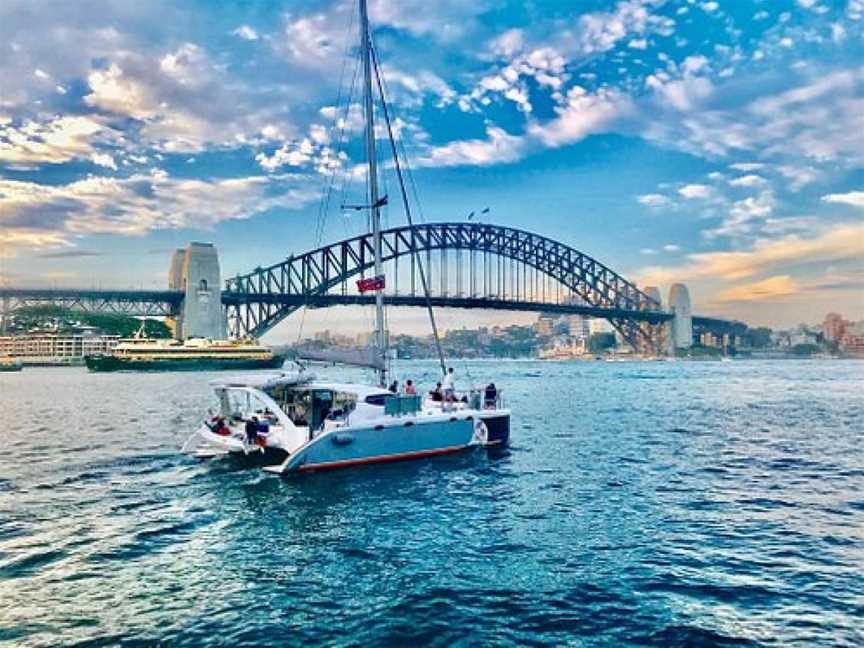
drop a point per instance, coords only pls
(834, 327)
(580, 327)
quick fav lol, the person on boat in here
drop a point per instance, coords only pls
(436, 394)
(490, 396)
(252, 430)
(449, 386)
(409, 388)
(394, 387)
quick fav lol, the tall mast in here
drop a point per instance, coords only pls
(368, 108)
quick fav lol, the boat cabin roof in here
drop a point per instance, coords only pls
(302, 381)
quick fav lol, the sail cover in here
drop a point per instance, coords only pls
(369, 356)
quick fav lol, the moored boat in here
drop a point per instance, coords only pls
(8, 363)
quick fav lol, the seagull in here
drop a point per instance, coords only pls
(471, 215)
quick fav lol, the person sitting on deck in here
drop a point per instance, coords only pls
(436, 394)
(409, 388)
(394, 387)
(490, 396)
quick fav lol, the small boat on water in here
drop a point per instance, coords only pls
(294, 423)
(196, 354)
(291, 422)
(8, 363)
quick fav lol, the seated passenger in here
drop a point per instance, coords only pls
(394, 387)
(436, 394)
(409, 388)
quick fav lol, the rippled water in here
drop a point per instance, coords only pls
(653, 503)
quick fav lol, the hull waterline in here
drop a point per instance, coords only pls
(111, 363)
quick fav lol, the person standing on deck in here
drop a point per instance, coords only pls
(449, 386)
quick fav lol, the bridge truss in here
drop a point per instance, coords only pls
(145, 303)
(477, 266)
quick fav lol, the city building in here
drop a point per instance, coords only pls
(580, 327)
(852, 342)
(597, 325)
(545, 325)
(56, 348)
(834, 327)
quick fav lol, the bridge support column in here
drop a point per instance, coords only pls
(682, 324)
(195, 271)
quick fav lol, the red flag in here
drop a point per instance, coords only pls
(370, 284)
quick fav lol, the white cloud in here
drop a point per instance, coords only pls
(653, 200)
(696, 191)
(581, 115)
(745, 216)
(104, 159)
(57, 140)
(854, 198)
(750, 180)
(499, 147)
(246, 33)
(36, 215)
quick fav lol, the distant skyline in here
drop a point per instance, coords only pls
(716, 143)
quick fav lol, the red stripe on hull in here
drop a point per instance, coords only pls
(421, 454)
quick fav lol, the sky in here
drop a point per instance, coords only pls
(716, 143)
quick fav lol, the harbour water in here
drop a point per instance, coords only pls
(640, 503)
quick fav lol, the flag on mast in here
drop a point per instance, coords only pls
(371, 284)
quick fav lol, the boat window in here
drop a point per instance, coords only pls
(378, 399)
(343, 405)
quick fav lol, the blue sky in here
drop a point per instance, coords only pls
(719, 143)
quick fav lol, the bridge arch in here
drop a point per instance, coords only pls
(259, 300)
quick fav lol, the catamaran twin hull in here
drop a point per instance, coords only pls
(385, 441)
(397, 441)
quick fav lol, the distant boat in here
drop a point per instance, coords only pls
(196, 354)
(8, 363)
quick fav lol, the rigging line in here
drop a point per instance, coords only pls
(339, 141)
(404, 193)
(329, 183)
(382, 82)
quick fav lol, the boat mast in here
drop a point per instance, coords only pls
(368, 108)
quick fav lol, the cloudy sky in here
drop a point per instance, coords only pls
(719, 143)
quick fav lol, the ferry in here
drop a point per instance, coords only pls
(194, 354)
(8, 363)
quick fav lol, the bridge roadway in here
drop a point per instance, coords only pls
(162, 303)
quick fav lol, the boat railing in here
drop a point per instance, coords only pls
(403, 404)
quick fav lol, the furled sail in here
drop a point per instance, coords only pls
(368, 356)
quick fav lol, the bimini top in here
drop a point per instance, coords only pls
(296, 378)
(264, 380)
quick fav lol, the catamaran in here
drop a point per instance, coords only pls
(291, 422)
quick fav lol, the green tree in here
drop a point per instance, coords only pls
(599, 342)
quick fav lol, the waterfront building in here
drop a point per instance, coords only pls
(852, 342)
(545, 325)
(834, 327)
(56, 348)
(580, 327)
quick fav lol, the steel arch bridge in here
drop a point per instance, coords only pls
(505, 268)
